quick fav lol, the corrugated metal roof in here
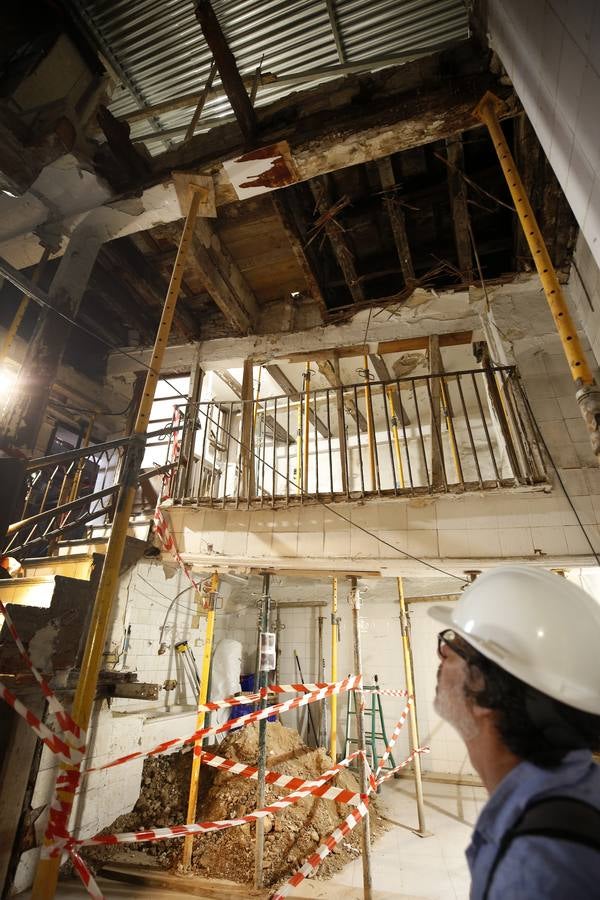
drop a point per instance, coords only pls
(158, 50)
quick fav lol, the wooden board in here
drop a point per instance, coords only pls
(188, 885)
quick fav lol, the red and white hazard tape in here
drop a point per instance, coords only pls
(60, 748)
(353, 682)
(316, 858)
(397, 729)
(64, 720)
(299, 688)
(168, 541)
(403, 764)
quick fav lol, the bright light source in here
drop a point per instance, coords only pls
(8, 193)
(8, 380)
(295, 294)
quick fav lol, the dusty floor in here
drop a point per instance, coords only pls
(405, 866)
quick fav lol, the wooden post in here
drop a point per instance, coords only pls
(360, 735)
(188, 843)
(246, 466)
(435, 362)
(412, 719)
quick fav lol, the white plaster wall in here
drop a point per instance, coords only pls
(550, 50)
(584, 291)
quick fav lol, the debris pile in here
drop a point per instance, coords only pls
(290, 836)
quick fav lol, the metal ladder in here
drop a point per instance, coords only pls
(371, 733)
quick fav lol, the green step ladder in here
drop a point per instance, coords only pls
(371, 733)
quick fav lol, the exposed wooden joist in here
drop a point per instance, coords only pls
(383, 373)
(453, 339)
(223, 279)
(233, 384)
(460, 210)
(228, 70)
(287, 208)
(337, 238)
(397, 219)
(281, 379)
(330, 371)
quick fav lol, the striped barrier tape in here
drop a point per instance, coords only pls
(163, 531)
(353, 682)
(65, 752)
(86, 876)
(403, 764)
(298, 688)
(159, 834)
(395, 734)
(64, 720)
(315, 859)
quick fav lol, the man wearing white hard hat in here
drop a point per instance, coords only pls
(519, 679)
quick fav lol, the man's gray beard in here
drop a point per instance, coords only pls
(455, 710)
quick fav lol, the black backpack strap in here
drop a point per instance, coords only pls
(563, 818)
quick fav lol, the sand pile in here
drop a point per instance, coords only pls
(290, 836)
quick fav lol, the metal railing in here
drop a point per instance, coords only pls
(65, 492)
(456, 431)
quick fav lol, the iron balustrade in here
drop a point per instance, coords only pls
(452, 431)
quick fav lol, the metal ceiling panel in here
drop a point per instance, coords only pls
(158, 52)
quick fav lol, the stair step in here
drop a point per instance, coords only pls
(76, 565)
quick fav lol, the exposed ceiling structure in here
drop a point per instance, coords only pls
(394, 184)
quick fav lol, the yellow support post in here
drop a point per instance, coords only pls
(412, 719)
(370, 423)
(299, 476)
(78, 472)
(21, 310)
(451, 433)
(46, 877)
(334, 659)
(306, 427)
(587, 394)
(188, 844)
(394, 421)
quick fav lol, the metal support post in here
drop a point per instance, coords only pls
(360, 735)
(412, 719)
(321, 678)
(335, 636)
(265, 618)
(394, 422)
(588, 394)
(188, 843)
(47, 871)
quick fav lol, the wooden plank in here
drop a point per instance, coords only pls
(227, 66)
(178, 886)
(383, 374)
(460, 210)
(397, 219)
(330, 369)
(454, 339)
(287, 208)
(281, 379)
(435, 366)
(339, 244)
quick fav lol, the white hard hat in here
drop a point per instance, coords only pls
(538, 626)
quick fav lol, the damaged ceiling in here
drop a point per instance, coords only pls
(396, 185)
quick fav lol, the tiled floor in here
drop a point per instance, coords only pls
(405, 865)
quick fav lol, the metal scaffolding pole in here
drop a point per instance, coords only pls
(265, 618)
(412, 719)
(188, 843)
(46, 878)
(335, 636)
(587, 393)
(360, 735)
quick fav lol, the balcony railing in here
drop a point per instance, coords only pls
(457, 431)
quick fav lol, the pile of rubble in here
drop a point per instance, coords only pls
(290, 836)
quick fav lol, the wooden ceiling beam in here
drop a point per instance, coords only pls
(459, 207)
(281, 379)
(397, 219)
(222, 278)
(282, 436)
(453, 339)
(287, 208)
(337, 238)
(383, 373)
(231, 79)
(330, 372)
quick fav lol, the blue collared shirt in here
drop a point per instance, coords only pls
(536, 868)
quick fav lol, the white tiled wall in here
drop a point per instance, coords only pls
(550, 51)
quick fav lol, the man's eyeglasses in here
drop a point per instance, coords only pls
(452, 640)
